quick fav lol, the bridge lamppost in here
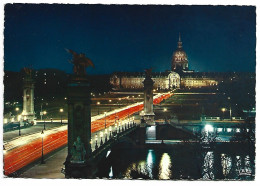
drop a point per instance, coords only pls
(61, 111)
(17, 109)
(223, 110)
(96, 138)
(106, 135)
(44, 113)
(4, 149)
(105, 120)
(119, 126)
(116, 128)
(42, 160)
(110, 104)
(98, 103)
(110, 132)
(101, 135)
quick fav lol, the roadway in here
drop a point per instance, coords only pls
(26, 149)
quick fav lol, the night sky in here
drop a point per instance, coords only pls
(129, 38)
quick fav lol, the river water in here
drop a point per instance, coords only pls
(184, 161)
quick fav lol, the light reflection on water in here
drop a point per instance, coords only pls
(150, 161)
(208, 166)
(165, 167)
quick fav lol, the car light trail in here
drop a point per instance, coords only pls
(26, 149)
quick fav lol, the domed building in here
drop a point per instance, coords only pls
(179, 76)
(179, 58)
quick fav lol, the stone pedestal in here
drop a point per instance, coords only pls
(28, 113)
(79, 129)
(148, 115)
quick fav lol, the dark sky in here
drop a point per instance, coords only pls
(129, 38)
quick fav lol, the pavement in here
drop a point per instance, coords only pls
(54, 163)
(11, 135)
(51, 169)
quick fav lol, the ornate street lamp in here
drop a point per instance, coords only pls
(96, 138)
(110, 131)
(101, 141)
(105, 120)
(42, 135)
(98, 103)
(223, 110)
(4, 149)
(61, 111)
(106, 135)
(44, 113)
(116, 128)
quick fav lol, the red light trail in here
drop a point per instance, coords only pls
(23, 155)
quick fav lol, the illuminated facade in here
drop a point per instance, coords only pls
(162, 81)
(178, 77)
(179, 58)
(28, 113)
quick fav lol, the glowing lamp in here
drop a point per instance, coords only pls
(42, 134)
(209, 128)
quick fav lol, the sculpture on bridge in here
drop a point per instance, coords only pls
(78, 152)
(148, 73)
(28, 71)
(80, 61)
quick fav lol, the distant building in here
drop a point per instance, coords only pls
(179, 77)
(179, 58)
(162, 81)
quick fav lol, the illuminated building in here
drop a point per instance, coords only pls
(162, 81)
(179, 76)
(179, 58)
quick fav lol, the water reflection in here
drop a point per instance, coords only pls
(165, 167)
(111, 172)
(215, 154)
(208, 166)
(226, 163)
(150, 161)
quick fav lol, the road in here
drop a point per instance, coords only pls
(26, 149)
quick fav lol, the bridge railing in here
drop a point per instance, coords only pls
(110, 134)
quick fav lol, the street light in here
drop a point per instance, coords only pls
(165, 109)
(4, 149)
(110, 132)
(223, 110)
(101, 135)
(116, 128)
(98, 103)
(44, 113)
(119, 127)
(42, 134)
(96, 138)
(105, 120)
(106, 135)
(61, 111)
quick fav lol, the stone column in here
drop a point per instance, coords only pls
(79, 128)
(148, 101)
(28, 99)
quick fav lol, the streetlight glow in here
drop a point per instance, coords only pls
(209, 128)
